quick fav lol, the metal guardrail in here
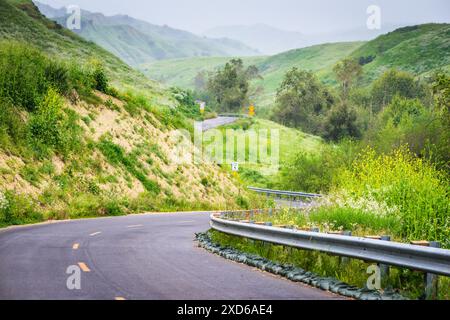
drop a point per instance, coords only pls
(233, 115)
(285, 193)
(427, 259)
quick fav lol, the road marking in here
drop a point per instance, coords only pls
(186, 222)
(119, 298)
(84, 267)
(136, 226)
(75, 246)
(95, 233)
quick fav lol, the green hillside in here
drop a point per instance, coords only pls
(417, 49)
(320, 59)
(22, 21)
(137, 42)
(182, 72)
(72, 146)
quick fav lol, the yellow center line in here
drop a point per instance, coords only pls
(95, 233)
(84, 267)
(75, 246)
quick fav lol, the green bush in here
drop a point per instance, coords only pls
(393, 83)
(412, 186)
(17, 209)
(50, 128)
(100, 78)
(315, 172)
(22, 74)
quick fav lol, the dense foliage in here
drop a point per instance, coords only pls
(229, 86)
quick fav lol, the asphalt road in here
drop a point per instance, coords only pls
(133, 257)
(217, 122)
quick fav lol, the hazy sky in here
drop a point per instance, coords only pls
(306, 16)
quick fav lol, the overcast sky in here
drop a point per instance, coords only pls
(306, 16)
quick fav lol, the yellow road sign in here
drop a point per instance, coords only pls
(251, 111)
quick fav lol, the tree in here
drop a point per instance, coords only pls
(341, 123)
(392, 83)
(347, 71)
(229, 86)
(302, 101)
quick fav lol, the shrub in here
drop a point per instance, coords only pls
(50, 128)
(393, 83)
(315, 172)
(341, 122)
(100, 78)
(403, 181)
(17, 209)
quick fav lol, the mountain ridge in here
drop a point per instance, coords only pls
(146, 42)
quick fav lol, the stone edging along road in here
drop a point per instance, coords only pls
(293, 273)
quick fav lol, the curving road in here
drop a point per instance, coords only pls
(149, 256)
(217, 122)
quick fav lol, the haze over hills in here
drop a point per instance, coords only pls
(136, 41)
(265, 38)
(270, 40)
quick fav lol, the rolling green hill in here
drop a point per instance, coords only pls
(136, 41)
(418, 49)
(182, 72)
(22, 21)
(68, 150)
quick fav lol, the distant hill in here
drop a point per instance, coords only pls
(417, 49)
(136, 41)
(267, 39)
(420, 50)
(270, 40)
(181, 72)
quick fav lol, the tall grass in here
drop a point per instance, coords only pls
(412, 185)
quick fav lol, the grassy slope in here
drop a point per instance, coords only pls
(419, 50)
(181, 72)
(88, 183)
(21, 21)
(320, 59)
(291, 142)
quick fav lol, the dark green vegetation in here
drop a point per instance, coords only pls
(137, 42)
(228, 90)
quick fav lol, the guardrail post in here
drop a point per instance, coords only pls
(384, 268)
(431, 279)
(315, 230)
(345, 260)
